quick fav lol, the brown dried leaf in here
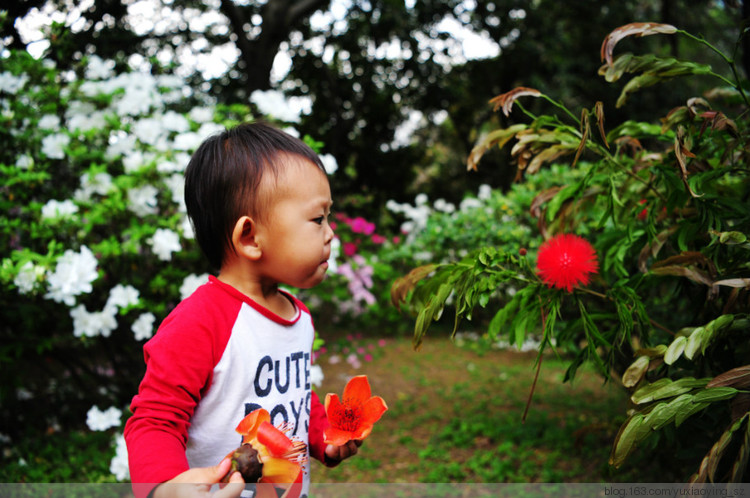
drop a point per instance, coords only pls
(740, 406)
(599, 110)
(687, 258)
(737, 377)
(506, 100)
(693, 274)
(546, 156)
(734, 282)
(633, 29)
(585, 131)
(631, 143)
(720, 122)
(652, 249)
(681, 152)
(698, 105)
(401, 286)
(536, 205)
(496, 138)
(635, 372)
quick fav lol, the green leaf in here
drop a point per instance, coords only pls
(713, 394)
(665, 388)
(694, 342)
(674, 351)
(692, 409)
(626, 439)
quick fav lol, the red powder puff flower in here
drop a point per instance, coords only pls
(566, 260)
(354, 416)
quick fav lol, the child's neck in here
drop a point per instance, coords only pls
(268, 296)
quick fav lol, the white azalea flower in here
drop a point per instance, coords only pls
(49, 122)
(92, 324)
(11, 83)
(187, 228)
(176, 185)
(201, 114)
(149, 130)
(119, 464)
(316, 375)
(24, 161)
(174, 121)
(485, 192)
(330, 163)
(187, 141)
(191, 283)
(276, 105)
(53, 146)
(27, 277)
(143, 200)
(143, 327)
(120, 144)
(99, 184)
(56, 209)
(98, 420)
(122, 296)
(99, 69)
(164, 243)
(73, 275)
(85, 117)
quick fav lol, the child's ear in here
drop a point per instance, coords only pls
(244, 238)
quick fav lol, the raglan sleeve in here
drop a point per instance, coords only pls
(179, 366)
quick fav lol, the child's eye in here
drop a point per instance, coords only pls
(319, 220)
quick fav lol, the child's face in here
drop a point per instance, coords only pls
(296, 237)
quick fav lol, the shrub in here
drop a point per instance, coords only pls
(96, 245)
(665, 207)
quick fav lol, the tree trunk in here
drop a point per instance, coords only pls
(280, 18)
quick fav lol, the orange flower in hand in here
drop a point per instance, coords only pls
(281, 458)
(355, 415)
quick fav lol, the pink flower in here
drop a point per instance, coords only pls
(361, 225)
(350, 249)
(378, 239)
(368, 357)
(381, 343)
(565, 261)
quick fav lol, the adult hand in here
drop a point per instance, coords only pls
(197, 483)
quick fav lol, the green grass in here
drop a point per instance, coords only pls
(455, 415)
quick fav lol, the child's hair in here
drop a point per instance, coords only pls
(223, 177)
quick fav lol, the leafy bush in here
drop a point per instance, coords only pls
(665, 207)
(96, 245)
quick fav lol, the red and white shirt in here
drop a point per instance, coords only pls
(217, 357)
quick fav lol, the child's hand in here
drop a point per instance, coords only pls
(335, 454)
(185, 485)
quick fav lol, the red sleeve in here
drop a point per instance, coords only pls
(318, 424)
(180, 360)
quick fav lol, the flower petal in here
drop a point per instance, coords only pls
(336, 437)
(333, 403)
(280, 471)
(357, 390)
(373, 409)
(276, 441)
(248, 426)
